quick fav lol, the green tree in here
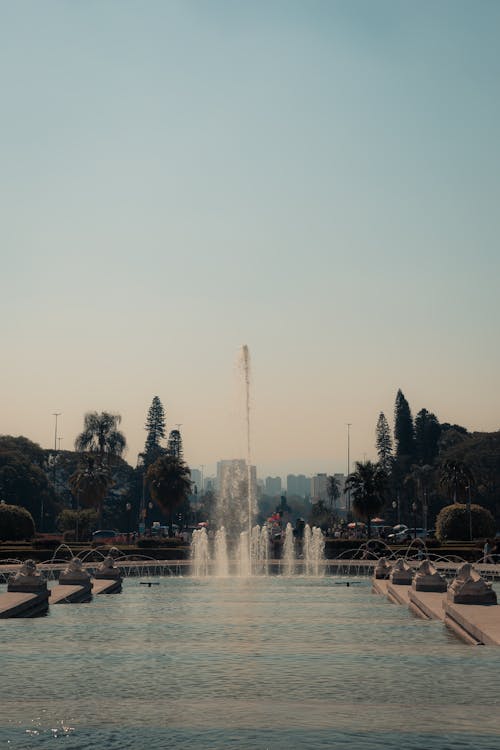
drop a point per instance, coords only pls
(384, 444)
(90, 484)
(427, 434)
(174, 446)
(169, 481)
(320, 515)
(155, 427)
(368, 486)
(24, 482)
(103, 443)
(333, 492)
(206, 506)
(79, 522)
(16, 523)
(404, 432)
(455, 476)
(25, 447)
(421, 478)
(101, 436)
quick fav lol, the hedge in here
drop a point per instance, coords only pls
(16, 523)
(453, 522)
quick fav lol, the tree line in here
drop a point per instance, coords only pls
(422, 466)
(92, 485)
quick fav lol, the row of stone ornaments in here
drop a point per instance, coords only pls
(29, 581)
(468, 587)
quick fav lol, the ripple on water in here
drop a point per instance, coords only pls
(271, 663)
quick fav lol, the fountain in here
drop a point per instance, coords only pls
(239, 546)
(313, 550)
(288, 551)
(199, 551)
(221, 556)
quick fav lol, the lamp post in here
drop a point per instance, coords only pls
(77, 512)
(469, 511)
(425, 509)
(349, 425)
(414, 509)
(56, 415)
(128, 508)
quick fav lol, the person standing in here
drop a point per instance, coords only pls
(487, 558)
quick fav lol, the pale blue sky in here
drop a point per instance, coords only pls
(319, 180)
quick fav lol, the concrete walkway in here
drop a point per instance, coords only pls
(476, 624)
(64, 594)
(427, 604)
(480, 622)
(106, 585)
(19, 604)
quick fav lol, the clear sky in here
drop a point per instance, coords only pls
(316, 179)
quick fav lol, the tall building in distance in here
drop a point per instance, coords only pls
(234, 469)
(272, 486)
(196, 480)
(342, 501)
(319, 488)
(298, 485)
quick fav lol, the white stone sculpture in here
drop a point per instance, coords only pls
(108, 569)
(75, 574)
(401, 573)
(427, 578)
(382, 568)
(469, 587)
(27, 579)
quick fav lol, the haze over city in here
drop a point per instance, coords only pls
(319, 181)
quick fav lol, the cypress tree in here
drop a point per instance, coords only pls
(155, 427)
(384, 443)
(404, 432)
(427, 433)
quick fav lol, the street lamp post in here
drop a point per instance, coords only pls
(150, 508)
(469, 511)
(128, 508)
(77, 514)
(56, 415)
(414, 508)
(349, 424)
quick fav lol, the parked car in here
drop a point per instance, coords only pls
(406, 535)
(398, 533)
(104, 534)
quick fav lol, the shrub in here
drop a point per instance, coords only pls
(453, 522)
(16, 523)
(150, 542)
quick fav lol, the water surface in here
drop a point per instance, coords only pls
(260, 663)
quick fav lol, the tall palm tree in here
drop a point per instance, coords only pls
(368, 485)
(90, 484)
(101, 436)
(455, 475)
(333, 491)
(169, 481)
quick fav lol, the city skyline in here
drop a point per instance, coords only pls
(319, 181)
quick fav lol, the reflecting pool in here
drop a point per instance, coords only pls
(263, 663)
